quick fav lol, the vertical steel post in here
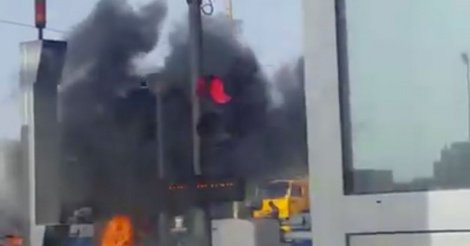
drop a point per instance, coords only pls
(40, 33)
(468, 97)
(466, 62)
(200, 228)
(195, 59)
(163, 224)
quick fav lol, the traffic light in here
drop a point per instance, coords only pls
(213, 86)
(40, 13)
(214, 101)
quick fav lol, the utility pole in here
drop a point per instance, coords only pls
(195, 59)
(229, 12)
(163, 220)
(466, 62)
(200, 228)
(229, 9)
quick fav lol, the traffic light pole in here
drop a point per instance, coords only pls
(200, 227)
(195, 58)
(163, 230)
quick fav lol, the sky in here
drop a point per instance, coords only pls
(273, 28)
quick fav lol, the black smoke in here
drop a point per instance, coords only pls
(107, 164)
(236, 64)
(278, 148)
(286, 135)
(265, 141)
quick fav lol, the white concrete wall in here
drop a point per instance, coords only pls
(412, 239)
(236, 232)
(336, 215)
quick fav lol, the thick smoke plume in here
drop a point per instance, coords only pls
(287, 141)
(106, 163)
(110, 166)
(225, 56)
(13, 192)
(265, 142)
(277, 149)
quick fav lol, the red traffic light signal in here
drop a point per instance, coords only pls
(40, 13)
(214, 87)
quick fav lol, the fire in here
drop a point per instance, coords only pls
(12, 240)
(118, 231)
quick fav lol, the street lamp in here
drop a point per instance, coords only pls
(466, 61)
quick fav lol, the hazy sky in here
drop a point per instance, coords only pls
(273, 28)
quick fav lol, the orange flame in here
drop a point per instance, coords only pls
(118, 231)
(14, 241)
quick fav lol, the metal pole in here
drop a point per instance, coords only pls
(160, 142)
(235, 210)
(468, 96)
(229, 9)
(40, 33)
(195, 58)
(466, 61)
(201, 224)
(229, 6)
(163, 225)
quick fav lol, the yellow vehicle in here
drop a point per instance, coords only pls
(283, 199)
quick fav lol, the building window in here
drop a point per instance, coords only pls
(404, 83)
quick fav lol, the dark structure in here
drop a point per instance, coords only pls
(113, 165)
